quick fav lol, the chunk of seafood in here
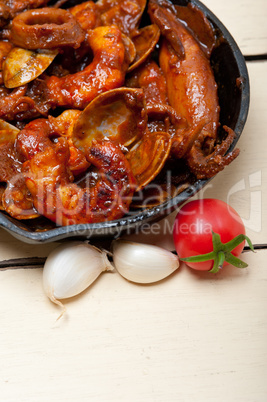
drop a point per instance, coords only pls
(5, 48)
(46, 28)
(198, 25)
(192, 91)
(63, 124)
(33, 138)
(130, 50)
(4, 14)
(17, 200)
(2, 190)
(17, 6)
(118, 115)
(156, 194)
(107, 71)
(147, 157)
(205, 166)
(17, 105)
(39, 134)
(144, 41)
(22, 66)
(106, 197)
(191, 86)
(161, 116)
(126, 14)
(87, 14)
(10, 166)
(150, 78)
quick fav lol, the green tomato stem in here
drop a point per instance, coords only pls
(222, 252)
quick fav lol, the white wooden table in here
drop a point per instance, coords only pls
(190, 338)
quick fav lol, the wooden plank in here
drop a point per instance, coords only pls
(179, 340)
(182, 339)
(245, 20)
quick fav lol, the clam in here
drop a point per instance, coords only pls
(147, 157)
(130, 50)
(118, 114)
(22, 66)
(144, 41)
(8, 132)
(156, 194)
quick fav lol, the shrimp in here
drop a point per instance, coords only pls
(106, 193)
(107, 71)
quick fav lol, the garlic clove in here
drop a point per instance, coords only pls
(143, 263)
(71, 268)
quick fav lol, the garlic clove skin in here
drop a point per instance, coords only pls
(71, 268)
(143, 263)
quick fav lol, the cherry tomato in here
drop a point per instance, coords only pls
(193, 234)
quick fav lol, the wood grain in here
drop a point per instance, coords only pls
(242, 184)
(182, 339)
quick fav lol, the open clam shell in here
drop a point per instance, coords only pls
(157, 194)
(118, 114)
(22, 66)
(144, 41)
(147, 157)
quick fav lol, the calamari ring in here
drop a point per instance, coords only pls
(46, 28)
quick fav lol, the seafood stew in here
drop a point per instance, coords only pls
(113, 140)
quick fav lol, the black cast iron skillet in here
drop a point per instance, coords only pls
(229, 65)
